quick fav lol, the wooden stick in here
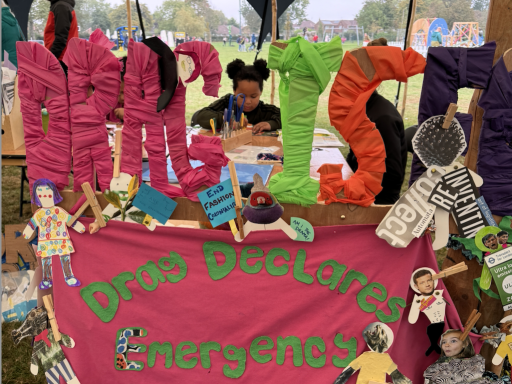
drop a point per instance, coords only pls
(96, 209)
(461, 267)
(48, 303)
(78, 214)
(274, 32)
(452, 108)
(117, 152)
(407, 45)
(129, 14)
(473, 318)
(238, 197)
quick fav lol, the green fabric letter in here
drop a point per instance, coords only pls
(272, 269)
(119, 283)
(239, 355)
(393, 304)
(181, 353)
(350, 345)
(350, 277)
(337, 271)
(246, 255)
(215, 271)
(152, 270)
(173, 260)
(315, 362)
(368, 291)
(162, 349)
(105, 314)
(296, 345)
(256, 348)
(204, 352)
(298, 268)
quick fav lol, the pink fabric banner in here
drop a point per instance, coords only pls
(281, 295)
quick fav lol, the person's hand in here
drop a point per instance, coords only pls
(119, 112)
(260, 127)
(94, 227)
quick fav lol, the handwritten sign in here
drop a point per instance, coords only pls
(154, 203)
(219, 203)
(305, 231)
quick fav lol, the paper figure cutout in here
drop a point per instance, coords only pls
(375, 364)
(54, 236)
(487, 241)
(123, 348)
(91, 65)
(497, 264)
(42, 80)
(429, 301)
(123, 190)
(505, 348)
(46, 350)
(263, 212)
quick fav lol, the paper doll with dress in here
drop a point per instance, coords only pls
(53, 238)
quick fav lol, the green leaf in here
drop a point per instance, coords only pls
(133, 186)
(137, 216)
(488, 292)
(469, 245)
(112, 198)
(505, 225)
(485, 278)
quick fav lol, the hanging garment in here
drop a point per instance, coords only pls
(347, 111)
(494, 162)
(448, 70)
(41, 79)
(91, 64)
(305, 70)
(203, 148)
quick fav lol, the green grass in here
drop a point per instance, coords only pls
(16, 360)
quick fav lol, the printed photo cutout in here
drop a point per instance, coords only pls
(443, 196)
(436, 145)
(430, 301)
(490, 240)
(505, 348)
(374, 364)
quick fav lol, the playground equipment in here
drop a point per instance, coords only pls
(466, 34)
(122, 36)
(463, 34)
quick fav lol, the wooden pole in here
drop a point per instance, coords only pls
(274, 32)
(407, 45)
(129, 13)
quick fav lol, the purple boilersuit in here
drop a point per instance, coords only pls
(494, 152)
(449, 69)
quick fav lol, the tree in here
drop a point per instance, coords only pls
(119, 17)
(378, 15)
(233, 22)
(320, 30)
(296, 13)
(187, 21)
(481, 5)
(37, 19)
(251, 17)
(99, 15)
(165, 15)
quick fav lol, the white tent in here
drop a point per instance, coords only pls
(108, 34)
(163, 36)
(170, 39)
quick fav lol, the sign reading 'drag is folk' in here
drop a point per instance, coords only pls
(188, 306)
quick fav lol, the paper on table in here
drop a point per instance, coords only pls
(321, 156)
(248, 154)
(324, 138)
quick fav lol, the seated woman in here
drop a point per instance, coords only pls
(458, 363)
(248, 80)
(388, 121)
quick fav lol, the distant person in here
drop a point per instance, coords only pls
(437, 38)
(327, 38)
(224, 42)
(242, 43)
(253, 40)
(11, 33)
(315, 38)
(230, 38)
(248, 80)
(61, 27)
(239, 42)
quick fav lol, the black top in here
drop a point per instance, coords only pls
(391, 127)
(263, 112)
(62, 13)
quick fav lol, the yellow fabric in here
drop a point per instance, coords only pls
(504, 348)
(374, 366)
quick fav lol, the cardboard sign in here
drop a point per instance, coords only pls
(202, 307)
(219, 203)
(500, 265)
(154, 203)
(466, 212)
(443, 196)
(411, 212)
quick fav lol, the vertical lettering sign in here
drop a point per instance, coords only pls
(466, 211)
(500, 265)
(443, 196)
(219, 203)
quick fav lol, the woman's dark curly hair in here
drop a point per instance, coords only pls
(237, 71)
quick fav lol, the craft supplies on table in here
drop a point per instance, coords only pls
(249, 154)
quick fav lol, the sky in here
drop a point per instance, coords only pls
(317, 9)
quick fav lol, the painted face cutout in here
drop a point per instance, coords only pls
(120, 184)
(378, 337)
(186, 68)
(45, 195)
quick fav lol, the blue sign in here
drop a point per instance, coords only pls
(486, 211)
(219, 203)
(154, 203)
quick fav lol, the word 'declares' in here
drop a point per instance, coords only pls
(400, 225)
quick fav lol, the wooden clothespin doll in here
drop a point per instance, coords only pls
(373, 365)
(505, 348)
(429, 301)
(53, 238)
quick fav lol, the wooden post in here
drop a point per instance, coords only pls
(129, 14)
(274, 32)
(117, 152)
(407, 45)
(238, 197)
